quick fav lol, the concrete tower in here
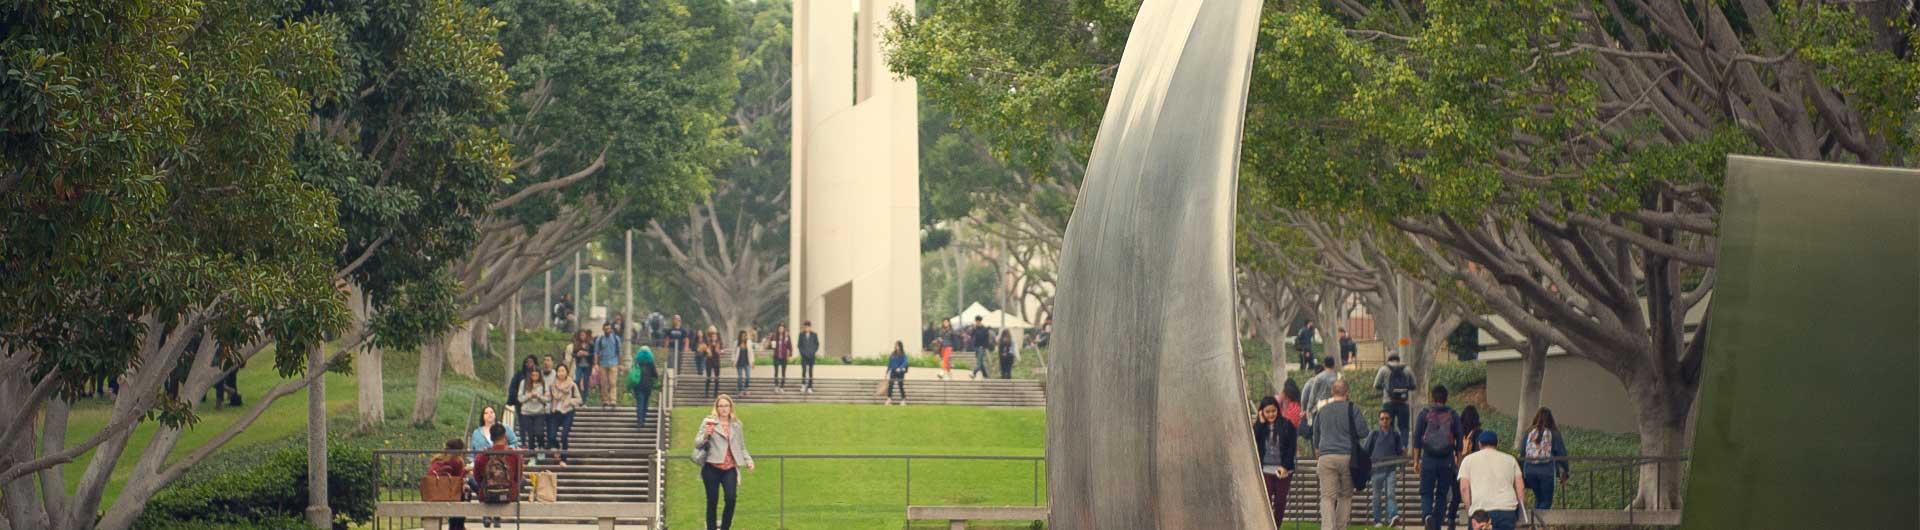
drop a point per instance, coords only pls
(856, 182)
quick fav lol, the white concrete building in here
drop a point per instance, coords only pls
(856, 182)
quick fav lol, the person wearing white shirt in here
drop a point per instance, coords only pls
(1490, 481)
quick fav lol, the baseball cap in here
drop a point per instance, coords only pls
(1488, 438)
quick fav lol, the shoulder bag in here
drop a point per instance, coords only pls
(1361, 464)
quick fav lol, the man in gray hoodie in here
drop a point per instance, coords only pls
(1395, 383)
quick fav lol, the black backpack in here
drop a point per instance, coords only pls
(1399, 383)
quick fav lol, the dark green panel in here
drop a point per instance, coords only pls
(1809, 414)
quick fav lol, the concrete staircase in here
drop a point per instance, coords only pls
(611, 478)
(1303, 499)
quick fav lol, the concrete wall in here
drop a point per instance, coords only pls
(856, 183)
(1579, 392)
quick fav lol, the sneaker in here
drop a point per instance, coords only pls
(1394, 522)
(889, 403)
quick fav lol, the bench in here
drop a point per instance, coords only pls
(433, 515)
(958, 516)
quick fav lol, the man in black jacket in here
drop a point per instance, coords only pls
(979, 339)
(809, 348)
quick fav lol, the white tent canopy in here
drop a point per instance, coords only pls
(992, 318)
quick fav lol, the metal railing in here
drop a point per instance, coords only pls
(397, 475)
(660, 438)
(1613, 482)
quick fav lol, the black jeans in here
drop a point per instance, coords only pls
(1438, 479)
(716, 480)
(1006, 366)
(712, 379)
(806, 371)
(779, 373)
(1400, 415)
(560, 430)
(897, 382)
(536, 427)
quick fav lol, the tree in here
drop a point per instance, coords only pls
(616, 120)
(151, 204)
(1559, 161)
(1573, 152)
(730, 247)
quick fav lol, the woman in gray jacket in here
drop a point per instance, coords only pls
(721, 448)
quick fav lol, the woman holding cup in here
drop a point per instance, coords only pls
(721, 448)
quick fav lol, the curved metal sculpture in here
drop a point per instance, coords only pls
(1147, 422)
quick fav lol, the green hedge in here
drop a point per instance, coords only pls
(272, 523)
(267, 494)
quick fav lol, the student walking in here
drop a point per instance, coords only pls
(1546, 454)
(1303, 343)
(1385, 446)
(536, 403)
(743, 362)
(581, 352)
(513, 399)
(566, 399)
(781, 344)
(1469, 443)
(640, 382)
(1337, 428)
(1436, 438)
(897, 373)
(809, 350)
(1490, 481)
(1277, 441)
(721, 448)
(681, 340)
(709, 356)
(982, 339)
(1290, 403)
(946, 358)
(1395, 382)
(607, 351)
(1318, 391)
(1006, 354)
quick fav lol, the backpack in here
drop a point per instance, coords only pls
(1439, 437)
(1399, 383)
(499, 480)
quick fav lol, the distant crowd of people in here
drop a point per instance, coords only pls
(1459, 463)
(941, 338)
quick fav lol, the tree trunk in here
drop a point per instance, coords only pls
(426, 391)
(482, 329)
(367, 367)
(1662, 408)
(1327, 311)
(459, 346)
(319, 515)
(1533, 375)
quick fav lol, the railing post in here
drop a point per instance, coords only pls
(1036, 482)
(783, 493)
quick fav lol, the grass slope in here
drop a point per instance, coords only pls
(285, 416)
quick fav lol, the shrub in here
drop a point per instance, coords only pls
(1459, 376)
(267, 494)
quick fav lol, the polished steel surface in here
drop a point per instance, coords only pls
(1147, 426)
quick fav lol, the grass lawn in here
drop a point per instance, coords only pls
(847, 494)
(286, 416)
